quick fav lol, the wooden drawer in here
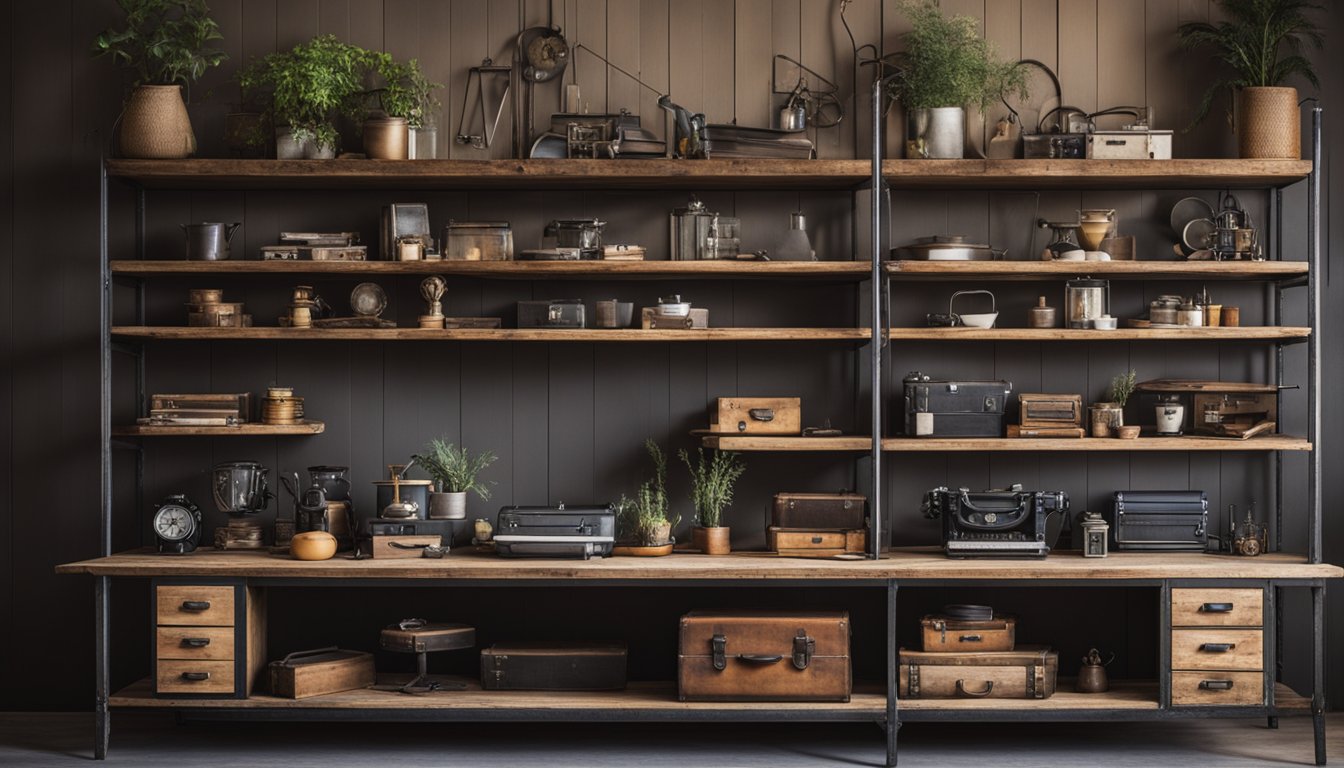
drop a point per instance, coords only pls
(174, 676)
(210, 643)
(195, 605)
(1217, 649)
(1217, 607)
(1217, 689)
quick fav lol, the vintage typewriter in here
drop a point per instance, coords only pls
(1000, 523)
(560, 531)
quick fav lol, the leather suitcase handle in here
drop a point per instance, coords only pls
(759, 658)
(1215, 608)
(1215, 685)
(196, 606)
(195, 642)
(961, 690)
(196, 677)
(762, 414)
(970, 638)
(1217, 647)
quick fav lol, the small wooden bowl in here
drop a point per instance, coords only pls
(312, 545)
(1127, 433)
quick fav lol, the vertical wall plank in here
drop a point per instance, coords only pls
(333, 18)
(1078, 53)
(894, 25)
(975, 119)
(502, 28)
(717, 77)
(295, 22)
(753, 49)
(653, 66)
(1003, 29)
(590, 28)
(366, 24)
(686, 59)
(1121, 59)
(623, 41)
(258, 32)
(435, 57)
(468, 25)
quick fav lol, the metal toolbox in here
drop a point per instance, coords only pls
(944, 408)
(553, 667)
(1160, 520)
(1026, 673)
(559, 531)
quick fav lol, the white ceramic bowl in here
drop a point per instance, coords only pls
(1106, 323)
(981, 320)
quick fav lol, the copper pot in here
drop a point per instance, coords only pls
(712, 541)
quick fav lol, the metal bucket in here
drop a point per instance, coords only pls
(938, 133)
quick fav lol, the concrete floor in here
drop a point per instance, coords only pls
(151, 739)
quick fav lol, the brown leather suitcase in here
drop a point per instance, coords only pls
(553, 667)
(943, 634)
(816, 542)
(839, 511)
(1026, 673)
(759, 656)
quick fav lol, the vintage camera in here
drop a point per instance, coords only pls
(998, 523)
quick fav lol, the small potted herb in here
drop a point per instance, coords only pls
(1262, 43)
(309, 87)
(643, 525)
(946, 65)
(712, 483)
(455, 471)
(1122, 387)
(167, 45)
(1108, 418)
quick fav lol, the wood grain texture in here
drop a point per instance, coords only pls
(962, 333)
(520, 270)
(170, 643)
(172, 610)
(501, 334)
(170, 678)
(1191, 649)
(998, 444)
(1187, 607)
(253, 430)
(913, 564)
(1247, 689)
(1112, 270)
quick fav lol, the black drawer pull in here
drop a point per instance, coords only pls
(196, 677)
(1217, 647)
(195, 642)
(757, 658)
(1215, 608)
(1215, 685)
(762, 414)
(970, 638)
(196, 605)
(961, 690)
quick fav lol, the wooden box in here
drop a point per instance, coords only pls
(757, 416)
(816, 542)
(208, 639)
(402, 547)
(777, 656)
(1026, 673)
(1050, 410)
(315, 673)
(942, 634)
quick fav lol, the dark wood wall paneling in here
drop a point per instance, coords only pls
(566, 420)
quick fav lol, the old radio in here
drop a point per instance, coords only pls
(1160, 520)
(1003, 523)
(944, 408)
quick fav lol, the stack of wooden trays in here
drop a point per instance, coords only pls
(206, 308)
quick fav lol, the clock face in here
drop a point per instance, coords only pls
(174, 522)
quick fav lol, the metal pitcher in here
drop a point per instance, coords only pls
(209, 240)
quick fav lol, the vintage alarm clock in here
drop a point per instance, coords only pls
(177, 525)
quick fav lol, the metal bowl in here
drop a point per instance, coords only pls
(368, 300)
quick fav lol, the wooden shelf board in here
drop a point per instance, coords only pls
(1114, 270)
(1246, 333)
(651, 174)
(496, 334)
(1184, 173)
(999, 444)
(1140, 695)
(661, 174)
(516, 270)
(643, 697)
(913, 564)
(160, 430)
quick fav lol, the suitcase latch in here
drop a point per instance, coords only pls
(803, 648)
(719, 650)
(912, 684)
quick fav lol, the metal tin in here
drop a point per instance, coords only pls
(1084, 301)
(1041, 316)
(697, 233)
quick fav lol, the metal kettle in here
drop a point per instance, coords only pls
(209, 240)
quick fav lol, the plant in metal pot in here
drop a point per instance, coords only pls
(712, 481)
(309, 88)
(1261, 45)
(1122, 387)
(645, 520)
(167, 45)
(405, 103)
(455, 471)
(946, 66)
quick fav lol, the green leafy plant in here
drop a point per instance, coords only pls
(644, 518)
(1262, 42)
(1122, 387)
(946, 63)
(312, 85)
(405, 92)
(712, 483)
(164, 42)
(454, 469)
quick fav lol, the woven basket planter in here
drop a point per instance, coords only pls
(155, 125)
(1268, 124)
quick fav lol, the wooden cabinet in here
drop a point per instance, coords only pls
(1218, 647)
(209, 639)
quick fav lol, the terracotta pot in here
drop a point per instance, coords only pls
(1268, 124)
(386, 138)
(712, 541)
(155, 124)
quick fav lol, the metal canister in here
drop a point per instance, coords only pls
(1041, 316)
(689, 227)
(1163, 309)
(1084, 301)
(1190, 314)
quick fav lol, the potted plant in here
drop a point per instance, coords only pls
(455, 471)
(405, 102)
(946, 65)
(1262, 42)
(712, 483)
(643, 525)
(1122, 386)
(166, 44)
(309, 88)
